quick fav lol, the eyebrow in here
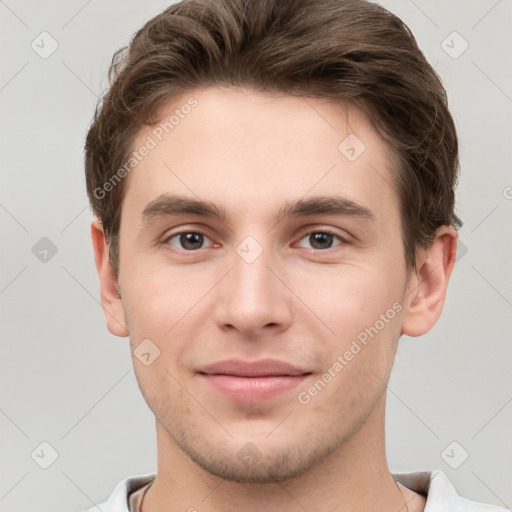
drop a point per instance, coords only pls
(324, 205)
(167, 205)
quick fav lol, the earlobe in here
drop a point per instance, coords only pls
(110, 300)
(427, 285)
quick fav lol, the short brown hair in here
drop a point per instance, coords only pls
(349, 50)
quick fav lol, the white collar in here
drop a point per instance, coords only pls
(441, 495)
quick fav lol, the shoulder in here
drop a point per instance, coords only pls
(441, 494)
(118, 500)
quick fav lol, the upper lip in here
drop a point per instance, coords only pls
(261, 368)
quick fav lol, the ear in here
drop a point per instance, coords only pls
(110, 299)
(426, 289)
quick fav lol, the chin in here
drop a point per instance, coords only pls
(257, 461)
(257, 468)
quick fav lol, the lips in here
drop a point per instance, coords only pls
(262, 368)
(252, 381)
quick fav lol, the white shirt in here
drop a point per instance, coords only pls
(440, 493)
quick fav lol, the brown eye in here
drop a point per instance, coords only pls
(188, 241)
(320, 240)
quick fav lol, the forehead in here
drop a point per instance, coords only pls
(238, 147)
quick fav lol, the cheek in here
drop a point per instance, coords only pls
(349, 298)
(161, 391)
(356, 373)
(163, 297)
(362, 308)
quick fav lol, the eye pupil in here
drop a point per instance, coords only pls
(191, 241)
(321, 240)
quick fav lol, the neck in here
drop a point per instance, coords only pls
(353, 478)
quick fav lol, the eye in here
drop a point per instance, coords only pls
(319, 240)
(188, 240)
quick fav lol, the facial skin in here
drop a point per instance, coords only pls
(299, 301)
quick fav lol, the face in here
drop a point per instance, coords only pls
(261, 259)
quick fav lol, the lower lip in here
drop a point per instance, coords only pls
(253, 389)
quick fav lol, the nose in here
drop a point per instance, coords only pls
(253, 298)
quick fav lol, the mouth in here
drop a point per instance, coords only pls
(252, 381)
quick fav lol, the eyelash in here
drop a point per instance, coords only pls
(309, 233)
(325, 232)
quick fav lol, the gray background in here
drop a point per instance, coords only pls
(66, 381)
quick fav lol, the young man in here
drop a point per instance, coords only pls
(273, 183)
